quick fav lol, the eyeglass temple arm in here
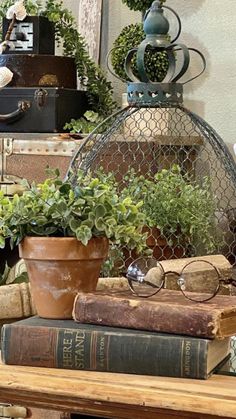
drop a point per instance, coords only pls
(233, 282)
(229, 281)
(133, 278)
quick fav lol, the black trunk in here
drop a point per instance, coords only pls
(39, 109)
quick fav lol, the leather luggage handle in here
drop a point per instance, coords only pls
(23, 107)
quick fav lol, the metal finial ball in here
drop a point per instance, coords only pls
(156, 4)
(155, 22)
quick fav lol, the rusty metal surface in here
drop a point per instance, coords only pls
(28, 156)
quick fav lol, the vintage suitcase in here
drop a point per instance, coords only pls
(39, 109)
(27, 156)
(30, 70)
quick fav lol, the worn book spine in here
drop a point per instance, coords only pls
(170, 313)
(105, 349)
(16, 301)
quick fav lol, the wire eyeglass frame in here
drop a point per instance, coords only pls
(140, 279)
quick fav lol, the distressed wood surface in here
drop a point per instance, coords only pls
(118, 395)
(90, 13)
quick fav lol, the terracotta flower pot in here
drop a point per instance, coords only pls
(58, 268)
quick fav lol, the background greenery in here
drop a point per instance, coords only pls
(156, 63)
(177, 205)
(141, 5)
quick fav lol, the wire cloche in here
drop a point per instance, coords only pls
(167, 156)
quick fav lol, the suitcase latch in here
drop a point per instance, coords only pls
(40, 97)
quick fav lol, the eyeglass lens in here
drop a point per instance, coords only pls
(145, 276)
(199, 280)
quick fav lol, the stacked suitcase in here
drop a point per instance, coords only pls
(34, 108)
(42, 95)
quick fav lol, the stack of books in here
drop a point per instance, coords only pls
(165, 335)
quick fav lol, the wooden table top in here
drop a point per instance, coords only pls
(118, 395)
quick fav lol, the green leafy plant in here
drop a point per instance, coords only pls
(86, 124)
(92, 208)
(91, 76)
(140, 5)
(4, 275)
(114, 265)
(177, 206)
(23, 277)
(156, 63)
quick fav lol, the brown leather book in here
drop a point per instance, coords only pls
(168, 312)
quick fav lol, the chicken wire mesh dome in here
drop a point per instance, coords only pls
(167, 156)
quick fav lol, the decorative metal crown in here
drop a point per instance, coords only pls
(143, 90)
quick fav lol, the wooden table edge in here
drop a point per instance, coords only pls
(91, 392)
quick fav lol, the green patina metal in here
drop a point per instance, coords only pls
(143, 91)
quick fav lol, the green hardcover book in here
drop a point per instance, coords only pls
(66, 344)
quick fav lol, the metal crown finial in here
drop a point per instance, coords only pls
(156, 28)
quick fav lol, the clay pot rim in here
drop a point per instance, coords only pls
(62, 248)
(67, 238)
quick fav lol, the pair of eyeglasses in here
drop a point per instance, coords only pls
(199, 279)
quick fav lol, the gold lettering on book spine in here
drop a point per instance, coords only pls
(102, 357)
(93, 351)
(67, 349)
(80, 350)
(198, 358)
(187, 358)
